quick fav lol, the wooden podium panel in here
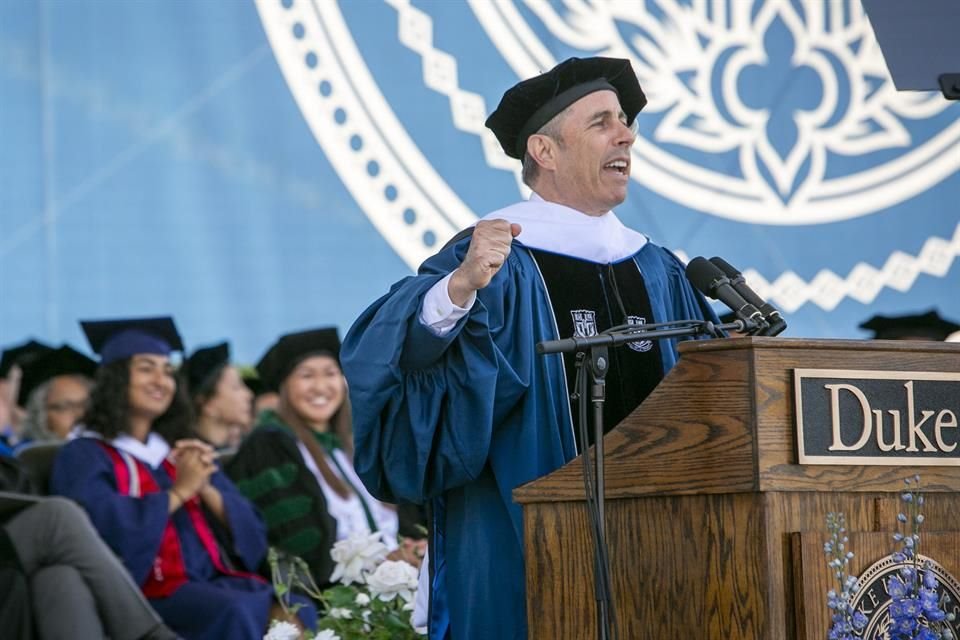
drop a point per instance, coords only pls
(704, 496)
(813, 579)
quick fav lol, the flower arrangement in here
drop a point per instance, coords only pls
(373, 598)
(917, 609)
(846, 621)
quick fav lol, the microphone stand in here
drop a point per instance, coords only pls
(595, 351)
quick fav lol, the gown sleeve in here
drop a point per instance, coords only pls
(269, 472)
(132, 527)
(426, 408)
(248, 534)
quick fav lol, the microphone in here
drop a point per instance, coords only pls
(739, 283)
(712, 282)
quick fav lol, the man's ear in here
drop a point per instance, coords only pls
(543, 150)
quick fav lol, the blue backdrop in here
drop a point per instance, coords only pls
(256, 167)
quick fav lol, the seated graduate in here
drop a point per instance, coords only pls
(55, 389)
(12, 358)
(223, 404)
(156, 496)
(57, 577)
(297, 464)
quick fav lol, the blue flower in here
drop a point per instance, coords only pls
(929, 600)
(926, 634)
(896, 588)
(929, 579)
(911, 607)
(859, 620)
(905, 625)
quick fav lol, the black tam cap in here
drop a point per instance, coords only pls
(292, 349)
(204, 365)
(529, 105)
(55, 362)
(924, 326)
(21, 354)
(119, 339)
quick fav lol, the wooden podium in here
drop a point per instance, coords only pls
(714, 530)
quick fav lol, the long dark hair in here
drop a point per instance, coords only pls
(109, 409)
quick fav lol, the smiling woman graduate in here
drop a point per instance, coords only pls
(297, 464)
(157, 497)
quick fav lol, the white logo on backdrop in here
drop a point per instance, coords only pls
(693, 62)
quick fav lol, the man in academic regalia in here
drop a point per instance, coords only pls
(55, 390)
(452, 406)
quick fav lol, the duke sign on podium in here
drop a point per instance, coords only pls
(877, 417)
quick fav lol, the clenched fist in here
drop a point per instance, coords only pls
(489, 248)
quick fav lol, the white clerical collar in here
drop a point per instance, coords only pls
(559, 229)
(153, 452)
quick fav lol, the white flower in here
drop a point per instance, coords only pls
(326, 634)
(357, 555)
(362, 599)
(282, 631)
(393, 578)
(340, 613)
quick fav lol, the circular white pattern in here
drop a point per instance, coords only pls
(413, 207)
(690, 41)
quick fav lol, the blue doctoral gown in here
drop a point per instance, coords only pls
(462, 420)
(211, 605)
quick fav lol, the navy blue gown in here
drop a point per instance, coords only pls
(461, 420)
(210, 605)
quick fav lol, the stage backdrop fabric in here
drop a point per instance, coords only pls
(256, 167)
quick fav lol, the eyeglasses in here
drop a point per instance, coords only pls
(72, 406)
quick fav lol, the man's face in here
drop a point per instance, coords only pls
(67, 399)
(593, 159)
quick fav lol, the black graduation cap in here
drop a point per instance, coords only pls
(21, 354)
(205, 363)
(122, 338)
(291, 349)
(55, 362)
(924, 326)
(529, 105)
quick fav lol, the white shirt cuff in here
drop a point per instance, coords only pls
(438, 313)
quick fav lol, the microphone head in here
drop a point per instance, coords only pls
(705, 276)
(728, 269)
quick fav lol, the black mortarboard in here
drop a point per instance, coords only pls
(55, 362)
(119, 339)
(21, 354)
(204, 364)
(293, 348)
(529, 105)
(924, 326)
